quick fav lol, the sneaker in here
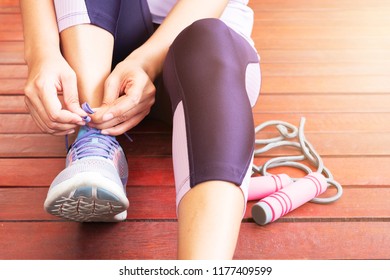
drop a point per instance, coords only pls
(92, 187)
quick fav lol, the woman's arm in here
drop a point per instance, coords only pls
(48, 72)
(41, 36)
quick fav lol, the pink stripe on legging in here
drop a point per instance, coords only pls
(180, 154)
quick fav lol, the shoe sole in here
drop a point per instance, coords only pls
(88, 197)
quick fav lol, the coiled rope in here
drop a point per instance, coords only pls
(287, 133)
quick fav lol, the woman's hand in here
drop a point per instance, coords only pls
(133, 77)
(49, 73)
(129, 94)
(46, 78)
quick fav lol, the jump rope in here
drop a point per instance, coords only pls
(280, 194)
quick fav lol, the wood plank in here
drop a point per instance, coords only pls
(158, 171)
(145, 240)
(356, 204)
(324, 56)
(6, 3)
(346, 84)
(13, 104)
(332, 122)
(310, 32)
(9, 9)
(160, 205)
(14, 119)
(12, 71)
(322, 103)
(316, 240)
(11, 36)
(66, 240)
(12, 86)
(11, 28)
(30, 172)
(322, 69)
(272, 69)
(319, 5)
(11, 123)
(11, 22)
(309, 43)
(325, 84)
(326, 144)
(42, 145)
(325, 122)
(322, 18)
(341, 144)
(349, 171)
(27, 145)
(12, 53)
(266, 103)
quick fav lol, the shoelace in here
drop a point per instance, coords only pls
(287, 132)
(92, 142)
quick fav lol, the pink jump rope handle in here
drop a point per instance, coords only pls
(262, 186)
(289, 198)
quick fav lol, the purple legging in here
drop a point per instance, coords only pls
(212, 77)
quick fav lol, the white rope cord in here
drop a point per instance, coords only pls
(287, 132)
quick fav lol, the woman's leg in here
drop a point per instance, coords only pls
(87, 41)
(88, 50)
(92, 187)
(209, 221)
(98, 34)
(213, 77)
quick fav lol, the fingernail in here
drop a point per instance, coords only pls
(104, 132)
(107, 117)
(81, 123)
(87, 119)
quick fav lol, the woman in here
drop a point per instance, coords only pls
(108, 56)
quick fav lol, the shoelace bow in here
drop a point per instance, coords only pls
(287, 132)
(92, 142)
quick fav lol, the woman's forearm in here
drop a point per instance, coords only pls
(185, 12)
(41, 36)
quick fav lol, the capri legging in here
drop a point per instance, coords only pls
(212, 76)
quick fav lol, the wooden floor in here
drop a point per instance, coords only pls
(328, 61)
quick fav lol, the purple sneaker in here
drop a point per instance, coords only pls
(92, 187)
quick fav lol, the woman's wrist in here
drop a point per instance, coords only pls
(34, 54)
(150, 59)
